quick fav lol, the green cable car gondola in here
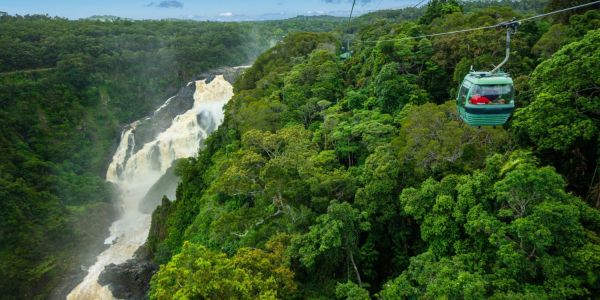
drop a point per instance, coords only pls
(346, 52)
(345, 55)
(487, 98)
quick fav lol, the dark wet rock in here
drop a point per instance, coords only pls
(207, 122)
(165, 186)
(148, 128)
(230, 74)
(131, 279)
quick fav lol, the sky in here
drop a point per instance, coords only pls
(221, 10)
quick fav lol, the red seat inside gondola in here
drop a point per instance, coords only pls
(478, 100)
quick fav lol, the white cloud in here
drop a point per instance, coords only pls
(226, 14)
(166, 4)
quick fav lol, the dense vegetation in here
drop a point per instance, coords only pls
(356, 179)
(66, 89)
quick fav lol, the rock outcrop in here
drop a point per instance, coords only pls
(130, 280)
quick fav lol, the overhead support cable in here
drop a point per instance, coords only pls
(418, 4)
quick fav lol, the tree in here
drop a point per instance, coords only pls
(200, 273)
(394, 91)
(508, 230)
(561, 4)
(356, 135)
(551, 41)
(562, 113)
(433, 141)
(351, 291)
(333, 235)
(562, 120)
(259, 189)
(319, 78)
(438, 8)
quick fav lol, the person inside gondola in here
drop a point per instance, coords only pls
(492, 94)
(478, 99)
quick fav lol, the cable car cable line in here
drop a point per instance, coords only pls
(503, 24)
(560, 11)
(420, 2)
(350, 17)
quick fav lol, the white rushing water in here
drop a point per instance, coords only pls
(135, 173)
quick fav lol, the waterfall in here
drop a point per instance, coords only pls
(135, 168)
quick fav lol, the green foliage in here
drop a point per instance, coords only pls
(200, 273)
(354, 136)
(482, 49)
(334, 234)
(351, 291)
(508, 230)
(562, 4)
(562, 119)
(563, 111)
(312, 86)
(530, 6)
(433, 141)
(393, 91)
(439, 8)
(268, 95)
(559, 35)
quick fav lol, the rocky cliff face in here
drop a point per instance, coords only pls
(149, 127)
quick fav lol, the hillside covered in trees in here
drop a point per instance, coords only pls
(355, 179)
(66, 90)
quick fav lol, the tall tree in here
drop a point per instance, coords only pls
(333, 236)
(563, 120)
(438, 8)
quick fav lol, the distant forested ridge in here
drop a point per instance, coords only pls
(356, 179)
(66, 90)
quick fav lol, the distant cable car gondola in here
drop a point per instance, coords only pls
(346, 51)
(487, 98)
